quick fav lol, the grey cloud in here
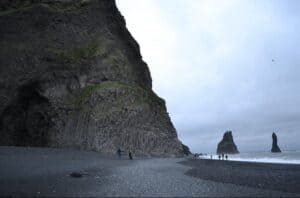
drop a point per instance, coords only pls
(236, 68)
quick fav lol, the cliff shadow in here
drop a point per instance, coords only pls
(26, 121)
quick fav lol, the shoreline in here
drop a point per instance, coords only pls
(284, 157)
(248, 160)
(45, 172)
(273, 176)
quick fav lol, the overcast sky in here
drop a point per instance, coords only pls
(223, 65)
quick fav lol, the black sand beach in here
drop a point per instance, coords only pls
(45, 172)
(282, 177)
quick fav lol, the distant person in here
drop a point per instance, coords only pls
(119, 152)
(130, 155)
(226, 157)
(219, 157)
(222, 156)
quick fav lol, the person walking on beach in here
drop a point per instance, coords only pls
(130, 155)
(222, 156)
(219, 157)
(119, 152)
(226, 157)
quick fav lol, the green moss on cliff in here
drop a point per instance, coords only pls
(139, 96)
(11, 7)
(76, 55)
(104, 48)
(13, 11)
(67, 6)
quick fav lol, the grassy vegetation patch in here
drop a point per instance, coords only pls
(12, 11)
(15, 6)
(101, 47)
(75, 5)
(141, 96)
(76, 55)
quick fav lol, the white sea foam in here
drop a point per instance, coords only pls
(287, 157)
(267, 160)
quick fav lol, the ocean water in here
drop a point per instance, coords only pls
(285, 157)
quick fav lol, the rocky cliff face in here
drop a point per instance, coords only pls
(275, 147)
(227, 144)
(71, 75)
(186, 150)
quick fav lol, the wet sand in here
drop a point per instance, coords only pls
(45, 172)
(282, 177)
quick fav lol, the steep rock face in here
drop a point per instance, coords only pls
(186, 149)
(275, 147)
(227, 144)
(71, 75)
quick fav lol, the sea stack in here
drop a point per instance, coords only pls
(227, 144)
(71, 75)
(275, 147)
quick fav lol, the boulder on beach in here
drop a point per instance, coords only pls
(76, 174)
(275, 147)
(227, 144)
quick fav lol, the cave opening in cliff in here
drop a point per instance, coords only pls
(26, 121)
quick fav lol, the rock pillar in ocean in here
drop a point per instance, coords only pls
(227, 144)
(275, 147)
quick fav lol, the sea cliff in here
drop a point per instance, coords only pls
(71, 75)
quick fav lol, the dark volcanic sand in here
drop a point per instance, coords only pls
(45, 172)
(283, 177)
